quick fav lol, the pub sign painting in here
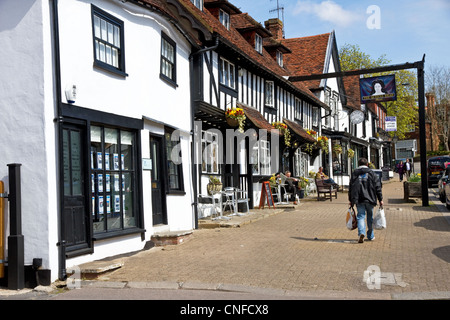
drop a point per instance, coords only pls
(378, 89)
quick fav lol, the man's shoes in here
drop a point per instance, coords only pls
(361, 238)
(371, 239)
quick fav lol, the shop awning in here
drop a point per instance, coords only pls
(255, 117)
(300, 134)
(210, 115)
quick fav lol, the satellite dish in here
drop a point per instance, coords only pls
(356, 117)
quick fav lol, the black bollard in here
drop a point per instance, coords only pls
(16, 268)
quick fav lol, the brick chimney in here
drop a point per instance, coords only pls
(275, 26)
(431, 101)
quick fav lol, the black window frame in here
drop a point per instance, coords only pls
(120, 70)
(168, 146)
(173, 79)
(121, 172)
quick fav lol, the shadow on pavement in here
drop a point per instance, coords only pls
(442, 253)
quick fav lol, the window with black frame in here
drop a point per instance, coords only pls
(174, 161)
(168, 59)
(113, 179)
(108, 41)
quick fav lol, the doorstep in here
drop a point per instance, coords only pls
(171, 237)
(93, 270)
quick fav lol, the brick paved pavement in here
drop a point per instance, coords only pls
(310, 250)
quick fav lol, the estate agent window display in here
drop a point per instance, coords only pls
(112, 179)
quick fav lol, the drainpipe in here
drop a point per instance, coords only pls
(193, 164)
(62, 274)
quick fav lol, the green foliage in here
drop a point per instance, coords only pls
(405, 108)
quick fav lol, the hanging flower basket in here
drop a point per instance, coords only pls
(235, 117)
(350, 153)
(284, 130)
(337, 149)
(322, 143)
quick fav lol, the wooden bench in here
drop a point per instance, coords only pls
(325, 189)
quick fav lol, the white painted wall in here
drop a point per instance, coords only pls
(27, 104)
(25, 89)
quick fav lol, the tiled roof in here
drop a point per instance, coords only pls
(307, 57)
(255, 117)
(235, 40)
(299, 131)
(351, 84)
(245, 22)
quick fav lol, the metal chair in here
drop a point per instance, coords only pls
(283, 184)
(233, 197)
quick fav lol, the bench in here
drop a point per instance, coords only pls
(325, 189)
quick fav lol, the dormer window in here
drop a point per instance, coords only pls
(258, 43)
(224, 18)
(198, 3)
(280, 58)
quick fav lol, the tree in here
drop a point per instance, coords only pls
(437, 79)
(405, 107)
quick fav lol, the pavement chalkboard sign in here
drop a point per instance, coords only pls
(266, 195)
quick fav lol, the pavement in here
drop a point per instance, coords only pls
(296, 252)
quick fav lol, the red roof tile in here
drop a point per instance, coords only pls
(307, 57)
(235, 40)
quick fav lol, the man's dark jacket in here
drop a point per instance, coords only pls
(365, 187)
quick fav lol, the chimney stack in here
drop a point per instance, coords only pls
(275, 26)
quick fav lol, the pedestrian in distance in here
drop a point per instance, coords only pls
(400, 170)
(364, 191)
(407, 168)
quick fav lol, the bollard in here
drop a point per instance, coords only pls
(2, 232)
(16, 265)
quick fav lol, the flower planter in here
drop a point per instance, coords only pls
(232, 122)
(213, 188)
(412, 190)
(301, 193)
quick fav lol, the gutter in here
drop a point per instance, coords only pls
(62, 273)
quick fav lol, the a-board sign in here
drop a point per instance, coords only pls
(266, 195)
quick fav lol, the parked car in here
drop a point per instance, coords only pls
(441, 186)
(447, 188)
(436, 167)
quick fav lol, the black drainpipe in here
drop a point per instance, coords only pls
(62, 274)
(193, 94)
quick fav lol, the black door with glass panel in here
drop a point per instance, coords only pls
(158, 182)
(76, 215)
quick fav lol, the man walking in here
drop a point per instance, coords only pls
(364, 191)
(407, 169)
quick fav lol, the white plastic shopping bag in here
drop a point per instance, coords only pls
(379, 220)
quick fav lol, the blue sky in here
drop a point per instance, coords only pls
(404, 32)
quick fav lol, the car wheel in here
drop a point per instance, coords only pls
(441, 197)
(447, 205)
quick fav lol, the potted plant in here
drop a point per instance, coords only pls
(412, 187)
(303, 183)
(284, 130)
(236, 117)
(273, 181)
(214, 185)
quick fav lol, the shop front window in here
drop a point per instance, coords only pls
(113, 179)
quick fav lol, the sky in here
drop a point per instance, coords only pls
(402, 30)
